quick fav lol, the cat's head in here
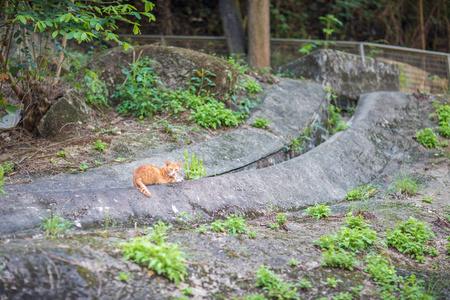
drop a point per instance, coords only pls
(173, 168)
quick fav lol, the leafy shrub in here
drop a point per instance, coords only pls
(165, 258)
(262, 123)
(355, 222)
(214, 114)
(410, 237)
(239, 64)
(362, 192)
(355, 239)
(99, 146)
(61, 153)
(252, 87)
(8, 167)
(281, 219)
(304, 284)
(194, 169)
(427, 138)
(381, 271)
(404, 184)
(293, 262)
(443, 113)
(97, 91)
(318, 211)
(427, 199)
(338, 258)
(218, 226)
(332, 282)
(445, 143)
(236, 224)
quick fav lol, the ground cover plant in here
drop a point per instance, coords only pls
(262, 123)
(194, 167)
(318, 211)
(275, 286)
(404, 184)
(362, 193)
(54, 225)
(427, 138)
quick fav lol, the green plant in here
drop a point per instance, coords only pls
(338, 258)
(202, 229)
(252, 234)
(355, 222)
(252, 87)
(275, 285)
(274, 226)
(8, 167)
(381, 271)
(427, 138)
(404, 184)
(343, 296)
(187, 291)
(2, 180)
(304, 284)
(235, 224)
(341, 126)
(194, 169)
(448, 245)
(201, 81)
(410, 237)
(318, 211)
(353, 239)
(281, 219)
(293, 262)
(414, 289)
(427, 199)
(99, 146)
(218, 226)
(362, 192)
(214, 114)
(124, 277)
(61, 153)
(239, 64)
(445, 143)
(158, 234)
(307, 48)
(96, 90)
(332, 282)
(295, 145)
(54, 225)
(330, 22)
(262, 123)
(165, 258)
(83, 166)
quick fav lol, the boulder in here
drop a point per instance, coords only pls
(174, 66)
(71, 108)
(349, 75)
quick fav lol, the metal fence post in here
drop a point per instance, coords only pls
(361, 52)
(163, 40)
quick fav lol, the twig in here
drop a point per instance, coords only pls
(71, 123)
(18, 164)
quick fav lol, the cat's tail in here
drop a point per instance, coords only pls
(141, 187)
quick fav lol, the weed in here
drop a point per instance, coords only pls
(201, 81)
(8, 167)
(356, 290)
(61, 153)
(83, 166)
(281, 219)
(194, 169)
(343, 296)
(262, 123)
(96, 90)
(218, 226)
(165, 258)
(99, 146)
(239, 64)
(404, 184)
(338, 258)
(187, 291)
(413, 289)
(158, 234)
(362, 192)
(124, 277)
(318, 211)
(293, 262)
(295, 145)
(355, 222)
(304, 284)
(427, 199)
(255, 297)
(54, 225)
(252, 234)
(381, 271)
(427, 138)
(235, 224)
(2, 180)
(444, 130)
(410, 237)
(341, 126)
(274, 226)
(275, 285)
(214, 114)
(448, 245)
(202, 229)
(252, 87)
(332, 282)
(351, 238)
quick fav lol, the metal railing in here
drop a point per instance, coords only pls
(419, 69)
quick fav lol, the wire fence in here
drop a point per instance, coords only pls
(422, 70)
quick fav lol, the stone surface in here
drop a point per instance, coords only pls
(347, 74)
(174, 66)
(69, 109)
(10, 121)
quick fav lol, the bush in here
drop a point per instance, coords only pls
(318, 211)
(262, 123)
(339, 258)
(427, 138)
(97, 91)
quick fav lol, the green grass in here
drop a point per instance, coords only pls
(404, 184)
(55, 226)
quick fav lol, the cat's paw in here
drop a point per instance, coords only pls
(180, 179)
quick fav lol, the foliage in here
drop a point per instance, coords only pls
(2, 180)
(201, 229)
(83, 166)
(362, 192)
(252, 234)
(262, 123)
(235, 224)
(293, 262)
(304, 284)
(355, 222)
(427, 199)
(281, 219)
(239, 64)
(414, 289)
(381, 271)
(252, 87)
(341, 126)
(404, 184)
(318, 211)
(96, 90)
(214, 114)
(338, 258)
(334, 122)
(61, 153)
(54, 225)
(99, 146)
(410, 237)
(8, 167)
(330, 22)
(448, 245)
(343, 296)
(353, 239)
(165, 258)
(187, 291)
(158, 234)
(275, 285)
(427, 138)
(218, 226)
(332, 282)
(201, 82)
(124, 277)
(295, 145)
(194, 169)
(35, 25)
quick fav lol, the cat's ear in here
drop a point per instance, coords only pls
(167, 163)
(180, 163)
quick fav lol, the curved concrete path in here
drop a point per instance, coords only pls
(322, 175)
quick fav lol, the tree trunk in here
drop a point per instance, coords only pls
(232, 25)
(164, 7)
(258, 34)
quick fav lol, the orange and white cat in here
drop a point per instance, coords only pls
(149, 174)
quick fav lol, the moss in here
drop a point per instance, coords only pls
(88, 276)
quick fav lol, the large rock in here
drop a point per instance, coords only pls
(348, 74)
(70, 108)
(174, 66)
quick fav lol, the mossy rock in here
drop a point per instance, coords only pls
(174, 66)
